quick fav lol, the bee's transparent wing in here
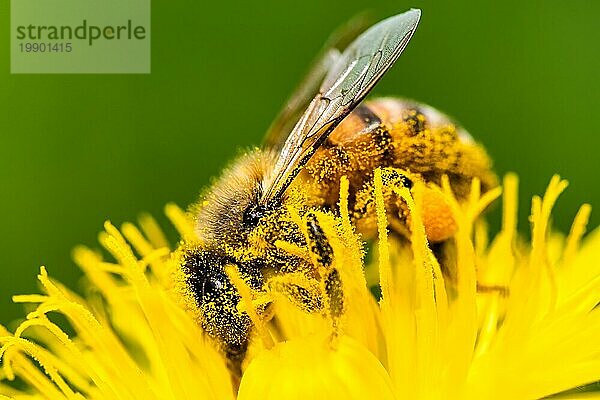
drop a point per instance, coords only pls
(348, 81)
(299, 100)
(309, 86)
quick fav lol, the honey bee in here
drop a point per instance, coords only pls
(323, 133)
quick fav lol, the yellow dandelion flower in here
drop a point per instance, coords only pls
(505, 318)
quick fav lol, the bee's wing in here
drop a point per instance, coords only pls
(347, 82)
(309, 86)
(300, 99)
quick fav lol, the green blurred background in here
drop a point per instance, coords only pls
(75, 150)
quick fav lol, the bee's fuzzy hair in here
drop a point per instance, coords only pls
(219, 213)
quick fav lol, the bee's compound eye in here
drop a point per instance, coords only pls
(205, 275)
(212, 286)
(216, 284)
(253, 214)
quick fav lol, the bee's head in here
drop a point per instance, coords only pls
(217, 298)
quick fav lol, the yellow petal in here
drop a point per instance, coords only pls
(316, 368)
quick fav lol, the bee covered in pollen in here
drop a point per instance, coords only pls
(323, 134)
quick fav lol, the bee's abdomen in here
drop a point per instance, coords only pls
(392, 132)
(360, 144)
(429, 143)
